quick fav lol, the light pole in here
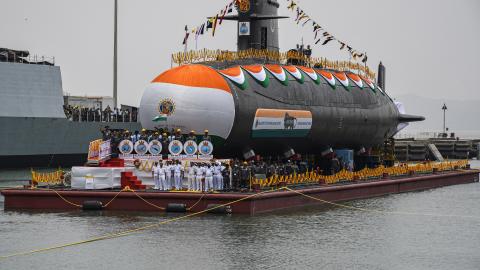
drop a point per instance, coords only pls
(115, 55)
(444, 108)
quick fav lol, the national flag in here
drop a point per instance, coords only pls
(161, 117)
(343, 46)
(202, 28)
(318, 40)
(306, 22)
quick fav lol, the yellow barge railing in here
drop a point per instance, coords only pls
(50, 178)
(364, 174)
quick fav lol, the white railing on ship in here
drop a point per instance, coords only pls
(35, 59)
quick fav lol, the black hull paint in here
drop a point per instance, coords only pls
(342, 117)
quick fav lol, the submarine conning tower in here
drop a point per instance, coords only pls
(257, 24)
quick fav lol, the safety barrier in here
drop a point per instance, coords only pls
(50, 178)
(364, 174)
(205, 55)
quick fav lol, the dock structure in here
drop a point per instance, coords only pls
(418, 150)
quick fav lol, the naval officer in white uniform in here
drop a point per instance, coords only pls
(155, 171)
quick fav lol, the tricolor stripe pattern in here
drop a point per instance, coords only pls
(327, 76)
(355, 79)
(293, 70)
(310, 73)
(342, 78)
(278, 72)
(369, 83)
(258, 73)
(277, 123)
(207, 77)
(235, 75)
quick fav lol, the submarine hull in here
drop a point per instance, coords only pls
(271, 115)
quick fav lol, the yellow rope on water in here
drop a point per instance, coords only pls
(132, 231)
(377, 211)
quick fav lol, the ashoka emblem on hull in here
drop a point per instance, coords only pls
(166, 106)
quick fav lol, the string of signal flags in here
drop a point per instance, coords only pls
(320, 34)
(211, 23)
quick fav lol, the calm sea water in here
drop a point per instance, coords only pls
(314, 238)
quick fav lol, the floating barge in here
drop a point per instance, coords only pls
(240, 203)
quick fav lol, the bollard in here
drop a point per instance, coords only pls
(256, 188)
(435, 170)
(385, 175)
(321, 181)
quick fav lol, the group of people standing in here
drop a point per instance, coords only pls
(94, 114)
(201, 176)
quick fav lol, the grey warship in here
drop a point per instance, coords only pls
(33, 125)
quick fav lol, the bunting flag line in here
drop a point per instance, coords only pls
(214, 25)
(211, 23)
(292, 5)
(185, 38)
(224, 12)
(306, 22)
(302, 15)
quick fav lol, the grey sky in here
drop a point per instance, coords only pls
(430, 48)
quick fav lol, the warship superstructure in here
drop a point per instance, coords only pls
(33, 125)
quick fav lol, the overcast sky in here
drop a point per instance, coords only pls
(429, 47)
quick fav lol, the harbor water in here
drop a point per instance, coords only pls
(444, 235)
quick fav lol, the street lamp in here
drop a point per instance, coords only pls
(444, 108)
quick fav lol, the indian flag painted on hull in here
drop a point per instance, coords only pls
(277, 123)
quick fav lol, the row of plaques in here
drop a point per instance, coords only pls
(175, 147)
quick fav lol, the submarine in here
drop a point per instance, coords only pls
(254, 106)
